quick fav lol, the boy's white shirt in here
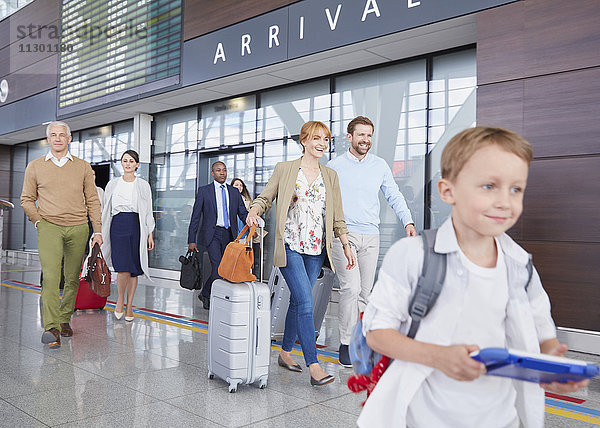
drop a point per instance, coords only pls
(528, 323)
(434, 404)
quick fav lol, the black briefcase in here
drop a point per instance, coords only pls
(190, 271)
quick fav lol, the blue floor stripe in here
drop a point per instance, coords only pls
(572, 407)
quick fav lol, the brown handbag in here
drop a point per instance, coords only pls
(98, 274)
(238, 259)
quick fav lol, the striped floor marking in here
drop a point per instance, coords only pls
(21, 286)
(562, 408)
(570, 415)
(573, 411)
(192, 324)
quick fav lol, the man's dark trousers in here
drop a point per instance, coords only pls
(215, 250)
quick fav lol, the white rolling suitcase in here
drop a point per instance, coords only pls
(239, 345)
(280, 300)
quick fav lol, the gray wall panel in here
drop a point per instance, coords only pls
(29, 112)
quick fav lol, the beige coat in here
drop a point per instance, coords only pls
(281, 186)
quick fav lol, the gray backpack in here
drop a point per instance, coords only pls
(429, 287)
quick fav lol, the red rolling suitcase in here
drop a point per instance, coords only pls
(86, 298)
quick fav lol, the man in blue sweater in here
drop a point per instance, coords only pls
(361, 176)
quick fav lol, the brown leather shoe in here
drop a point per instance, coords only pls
(51, 338)
(65, 329)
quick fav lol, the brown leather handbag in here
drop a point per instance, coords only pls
(238, 259)
(98, 274)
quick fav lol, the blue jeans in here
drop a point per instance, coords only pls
(300, 274)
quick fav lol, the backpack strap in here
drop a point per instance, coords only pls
(529, 272)
(430, 282)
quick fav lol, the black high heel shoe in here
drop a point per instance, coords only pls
(290, 367)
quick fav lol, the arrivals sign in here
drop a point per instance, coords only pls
(308, 27)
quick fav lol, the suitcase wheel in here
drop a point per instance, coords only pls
(262, 383)
(210, 375)
(233, 384)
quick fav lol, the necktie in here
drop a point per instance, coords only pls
(225, 210)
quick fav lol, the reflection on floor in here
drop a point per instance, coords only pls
(152, 372)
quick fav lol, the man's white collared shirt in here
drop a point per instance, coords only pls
(354, 158)
(59, 163)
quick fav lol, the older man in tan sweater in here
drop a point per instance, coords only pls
(63, 186)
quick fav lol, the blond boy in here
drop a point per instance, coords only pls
(484, 302)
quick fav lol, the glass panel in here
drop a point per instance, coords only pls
(227, 123)
(242, 167)
(394, 99)
(8, 7)
(173, 183)
(273, 152)
(97, 144)
(74, 147)
(123, 138)
(452, 110)
(176, 131)
(284, 111)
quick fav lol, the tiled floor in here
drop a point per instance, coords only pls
(153, 372)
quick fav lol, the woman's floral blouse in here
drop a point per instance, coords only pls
(304, 230)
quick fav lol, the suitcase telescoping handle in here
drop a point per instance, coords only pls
(261, 324)
(261, 225)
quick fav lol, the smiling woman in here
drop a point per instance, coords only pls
(127, 225)
(310, 214)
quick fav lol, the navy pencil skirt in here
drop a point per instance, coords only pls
(125, 243)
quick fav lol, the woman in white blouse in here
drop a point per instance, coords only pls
(309, 216)
(127, 225)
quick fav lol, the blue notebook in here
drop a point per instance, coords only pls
(538, 368)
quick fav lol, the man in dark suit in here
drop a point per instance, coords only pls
(219, 205)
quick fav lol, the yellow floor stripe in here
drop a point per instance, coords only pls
(551, 410)
(572, 415)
